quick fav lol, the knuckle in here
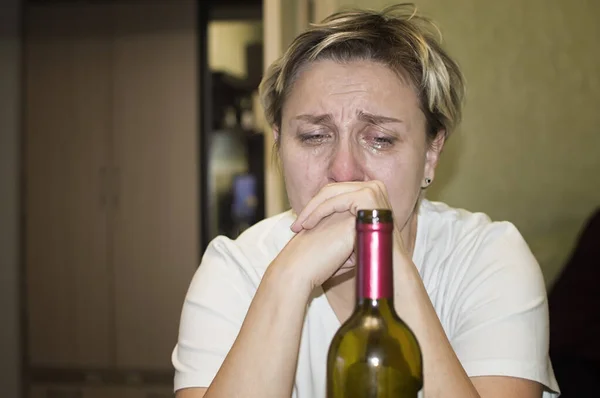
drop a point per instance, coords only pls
(369, 194)
(376, 193)
(331, 185)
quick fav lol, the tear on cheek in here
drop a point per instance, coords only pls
(317, 151)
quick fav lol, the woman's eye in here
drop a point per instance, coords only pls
(384, 140)
(381, 142)
(314, 138)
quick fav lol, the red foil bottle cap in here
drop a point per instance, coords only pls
(374, 253)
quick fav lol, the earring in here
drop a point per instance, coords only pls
(427, 182)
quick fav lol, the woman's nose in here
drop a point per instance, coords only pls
(344, 166)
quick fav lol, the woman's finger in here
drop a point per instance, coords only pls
(324, 194)
(366, 198)
(339, 197)
(335, 204)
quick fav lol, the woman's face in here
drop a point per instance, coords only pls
(354, 121)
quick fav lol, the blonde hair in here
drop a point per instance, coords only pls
(397, 37)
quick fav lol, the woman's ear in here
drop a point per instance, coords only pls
(432, 156)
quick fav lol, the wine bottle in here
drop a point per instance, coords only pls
(374, 354)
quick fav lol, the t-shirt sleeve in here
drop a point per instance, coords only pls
(502, 328)
(214, 308)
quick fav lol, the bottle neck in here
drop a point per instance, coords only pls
(374, 252)
(382, 306)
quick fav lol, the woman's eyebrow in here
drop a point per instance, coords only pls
(316, 119)
(327, 118)
(377, 119)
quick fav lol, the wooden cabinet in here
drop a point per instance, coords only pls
(155, 150)
(58, 391)
(67, 125)
(111, 174)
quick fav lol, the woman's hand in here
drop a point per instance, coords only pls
(347, 197)
(332, 245)
(329, 221)
(342, 197)
(317, 254)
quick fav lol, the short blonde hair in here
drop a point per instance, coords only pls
(398, 37)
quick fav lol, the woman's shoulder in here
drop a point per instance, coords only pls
(472, 242)
(444, 222)
(468, 258)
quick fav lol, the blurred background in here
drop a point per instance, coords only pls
(131, 135)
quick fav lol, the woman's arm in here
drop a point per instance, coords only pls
(444, 373)
(262, 361)
(442, 369)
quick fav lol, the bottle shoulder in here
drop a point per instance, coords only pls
(376, 326)
(375, 340)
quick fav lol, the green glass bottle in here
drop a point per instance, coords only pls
(374, 354)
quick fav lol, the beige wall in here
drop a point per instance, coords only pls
(529, 148)
(227, 42)
(283, 20)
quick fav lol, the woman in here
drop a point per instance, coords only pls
(361, 106)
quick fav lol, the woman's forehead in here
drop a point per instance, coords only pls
(349, 90)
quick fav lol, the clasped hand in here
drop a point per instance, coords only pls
(325, 228)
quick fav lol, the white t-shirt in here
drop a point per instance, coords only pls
(483, 281)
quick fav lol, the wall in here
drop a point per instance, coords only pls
(227, 44)
(10, 97)
(528, 148)
(283, 20)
